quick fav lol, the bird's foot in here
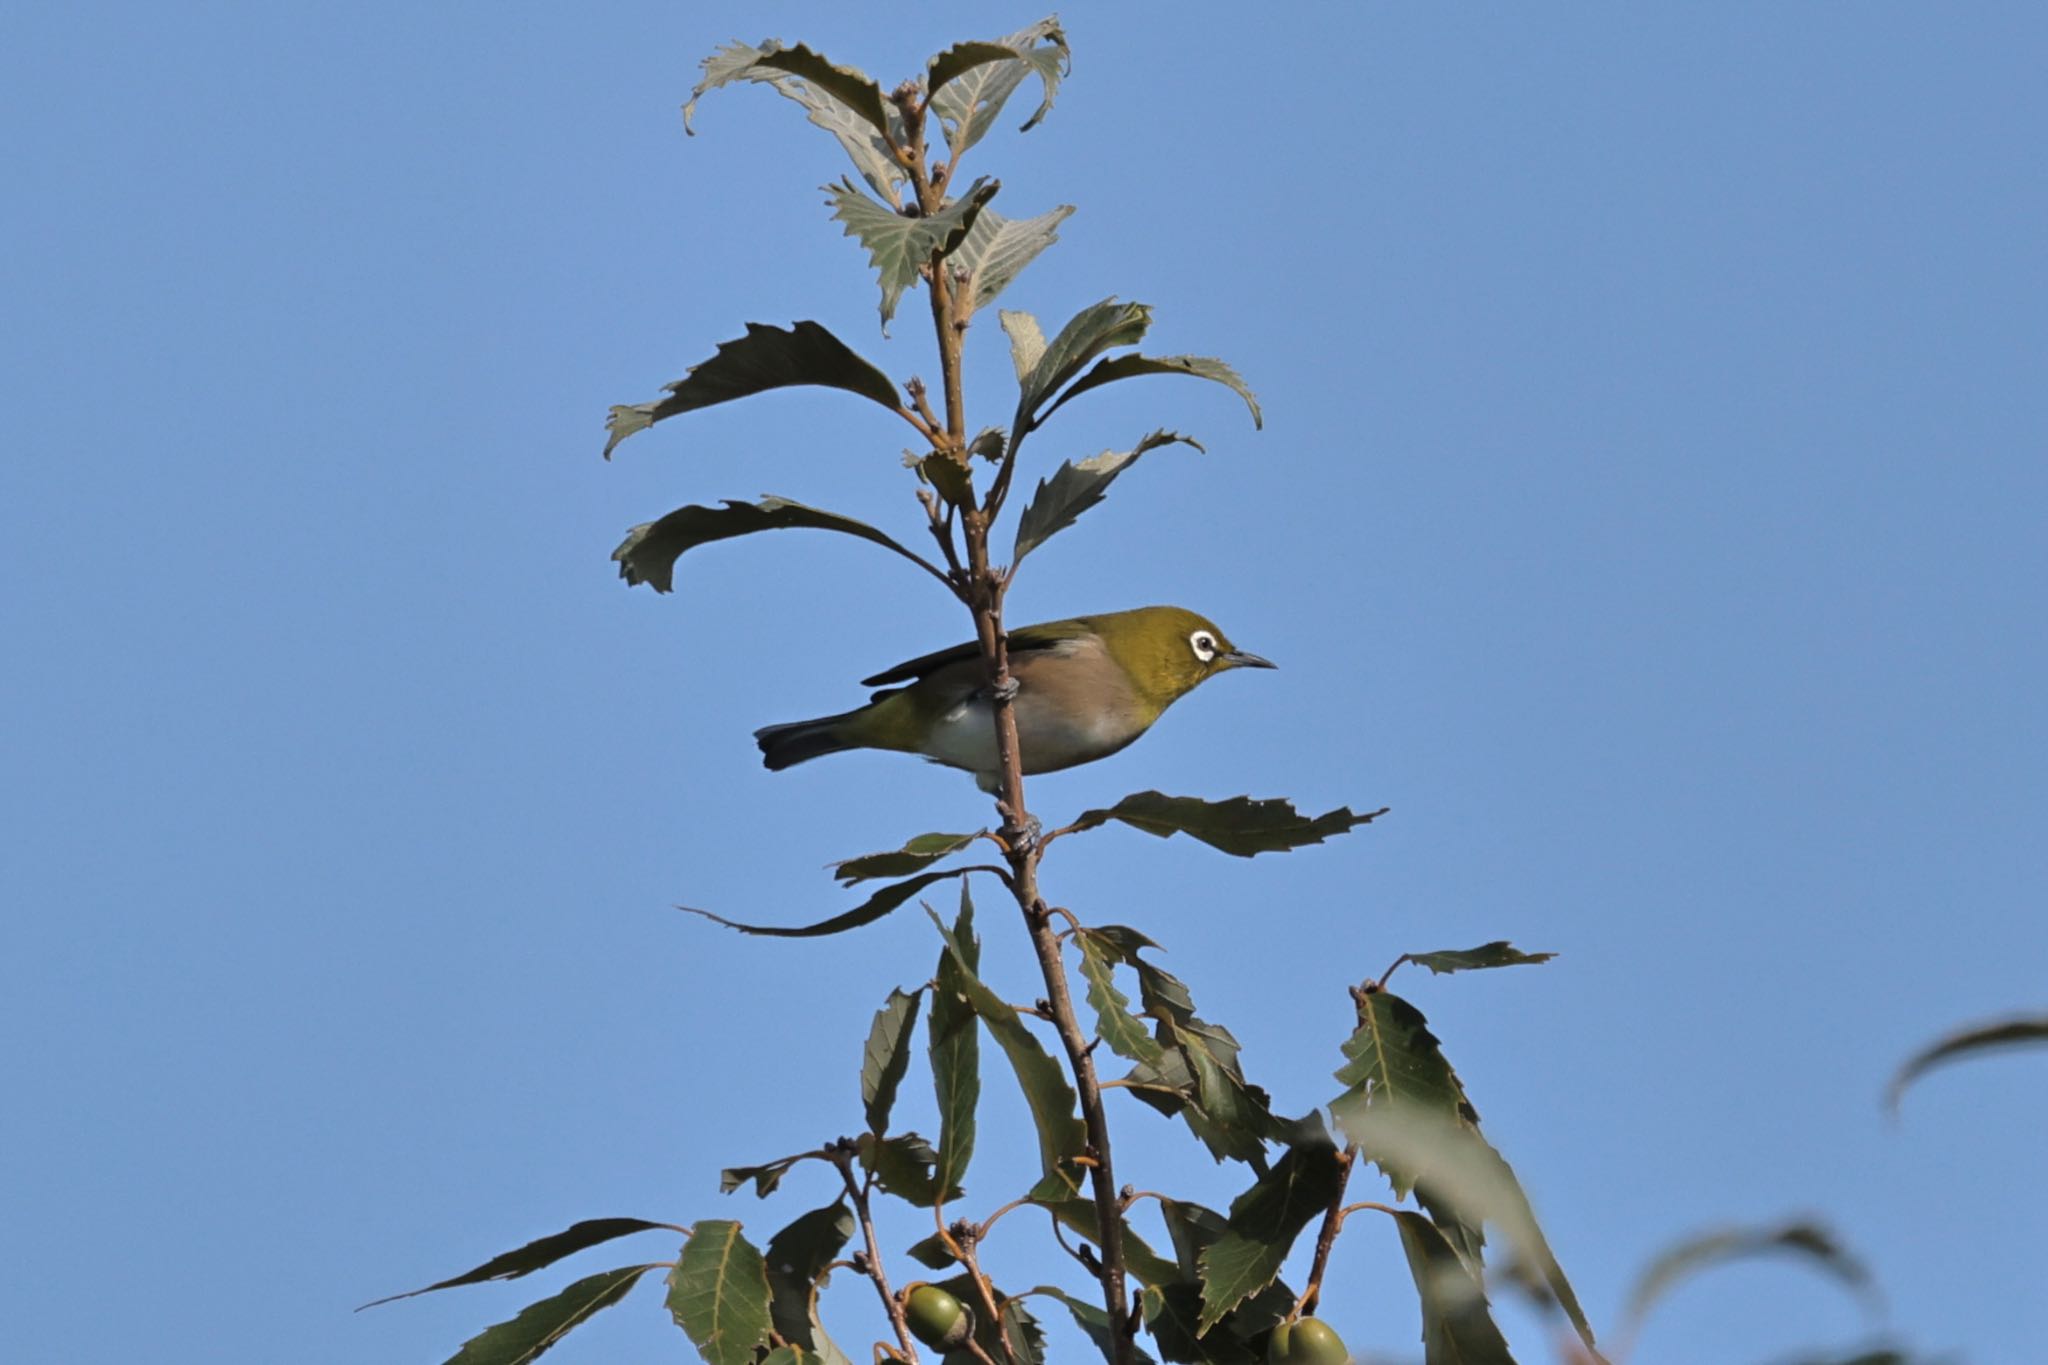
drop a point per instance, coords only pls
(1006, 690)
(1022, 836)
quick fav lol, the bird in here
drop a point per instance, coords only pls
(1085, 688)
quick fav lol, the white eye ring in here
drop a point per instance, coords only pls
(1204, 645)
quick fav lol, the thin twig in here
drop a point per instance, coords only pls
(1333, 1220)
(842, 1157)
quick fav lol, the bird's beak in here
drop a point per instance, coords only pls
(1238, 658)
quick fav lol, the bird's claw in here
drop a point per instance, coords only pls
(1006, 690)
(1024, 837)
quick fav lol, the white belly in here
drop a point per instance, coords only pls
(965, 737)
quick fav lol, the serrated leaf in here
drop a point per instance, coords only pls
(1027, 343)
(1114, 1022)
(997, 249)
(1094, 1322)
(797, 1260)
(1264, 1222)
(1457, 1329)
(540, 1325)
(960, 58)
(1131, 366)
(862, 139)
(886, 1057)
(1998, 1036)
(1077, 486)
(771, 62)
(867, 912)
(765, 358)
(971, 94)
(1087, 335)
(905, 1167)
(1173, 1312)
(899, 247)
(1499, 953)
(920, 852)
(1061, 1134)
(1240, 826)
(718, 1294)
(1803, 1239)
(955, 1046)
(541, 1252)
(1470, 1184)
(650, 550)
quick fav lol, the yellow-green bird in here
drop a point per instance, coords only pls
(1085, 688)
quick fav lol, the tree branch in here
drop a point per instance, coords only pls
(841, 1154)
(1333, 1221)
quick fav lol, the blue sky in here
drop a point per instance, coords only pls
(1649, 510)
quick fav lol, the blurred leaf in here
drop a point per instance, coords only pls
(1077, 486)
(765, 358)
(1976, 1038)
(920, 852)
(718, 1294)
(1457, 1329)
(540, 1325)
(1124, 1034)
(899, 247)
(1264, 1222)
(650, 550)
(997, 249)
(956, 1046)
(1803, 1239)
(1061, 1134)
(544, 1251)
(1027, 343)
(797, 1259)
(1092, 1320)
(904, 1166)
(1088, 334)
(1131, 366)
(1499, 953)
(867, 912)
(1239, 826)
(886, 1057)
(1468, 1183)
(968, 93)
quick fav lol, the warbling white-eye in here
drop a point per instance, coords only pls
(1085, 688)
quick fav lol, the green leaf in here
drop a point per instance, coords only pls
(1061, 1134)
(1077, 486)
(1093, 1321)
(1027, 343)
(1088, 334)
(836, 98)
(1131, 366)
(2009, 1033)
(997, 249)
(1457, 1329)
(544, 1251)
(921, 852)
(905, 1167)
(766, 1177)
(1264, 1222)
(1806, 1240)
(1146, 1265)
(931, 1253)
(968, 93)
(1499, 953)
(1468, 1184)
(955, 1046)
(797, 1262)
(867, 912)
(1114, 1022)
(540, 1325)
(718, 1294)
(899, 247)
(1239, 826)
(650, 550)
(765, 358)
(886, 1057)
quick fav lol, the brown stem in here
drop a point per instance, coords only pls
(842, 1157)
(983, 589)
(1333, 1220)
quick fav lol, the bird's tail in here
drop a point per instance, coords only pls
(799, 741)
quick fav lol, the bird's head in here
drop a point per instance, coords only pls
(1169, 651)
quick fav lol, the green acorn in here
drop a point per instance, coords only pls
(1307, 1341)
(936, 1318)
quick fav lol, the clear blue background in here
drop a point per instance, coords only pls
(1650, 510)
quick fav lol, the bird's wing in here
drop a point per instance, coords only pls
(1023, 640)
